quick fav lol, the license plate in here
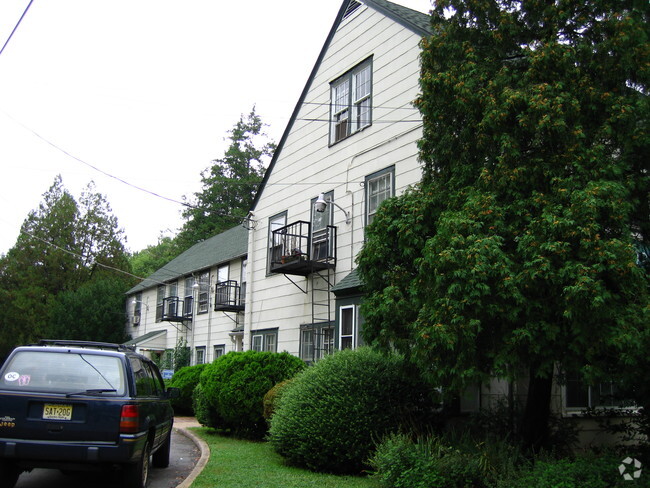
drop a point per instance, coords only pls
(57, 412)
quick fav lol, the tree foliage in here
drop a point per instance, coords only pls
(152, 258)
(517, 250)
(59, 249)
(92, 312)
(229, 185)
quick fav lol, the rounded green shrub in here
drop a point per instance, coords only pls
(185, 379)
(234, 386)
(204, 414)
(272, 397)
(332, 414)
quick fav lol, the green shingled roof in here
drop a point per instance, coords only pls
(218, 249)
(412, 19)
(350, 283)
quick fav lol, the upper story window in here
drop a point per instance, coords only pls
(160, 298)
(204, 292)
(137, 306)
(379, 187)
(351, 102)
(189, 296)
(242, 291)
(275, 243)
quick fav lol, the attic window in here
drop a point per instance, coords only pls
(352, 6)
(351, 97)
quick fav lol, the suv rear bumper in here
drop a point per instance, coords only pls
(34, 454)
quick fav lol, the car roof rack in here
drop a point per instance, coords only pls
(93, 344)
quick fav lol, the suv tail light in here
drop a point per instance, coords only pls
(130, 419)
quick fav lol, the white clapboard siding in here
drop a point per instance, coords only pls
(307, 165)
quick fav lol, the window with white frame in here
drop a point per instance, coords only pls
(137, 306)
(242, 289)
(320, 242)
(200, 355)
(189, 296)
(348, 327)
(275, 243)
(160, 302)
(219, 350)
(379, 186)
(172, 292)
(351, 102)
(223, 272)
(204, 292)
(264, 340)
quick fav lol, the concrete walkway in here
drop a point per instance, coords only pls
(182, 425)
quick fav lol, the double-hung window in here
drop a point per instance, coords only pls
(379, 187)
(188, 304)
(351, 102)
(223, 273)
(348, 327)
(204, 292)
(275, 240)
(200, 355)
(320, 238)
(160, 302)
(264, 340)
(242, 289)
(173, 294)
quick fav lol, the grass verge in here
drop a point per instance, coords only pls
(236, 463)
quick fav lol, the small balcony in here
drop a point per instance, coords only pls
(296, 250)
(228, 297)
(177, 309)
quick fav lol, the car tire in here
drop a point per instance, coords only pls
(8, 475)
(136, 475)
(161, 456)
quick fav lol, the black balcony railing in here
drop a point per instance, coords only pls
(228, 297)
(296, 250)
(177, 309)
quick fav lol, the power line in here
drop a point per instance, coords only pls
(51, 244)
(16, 26)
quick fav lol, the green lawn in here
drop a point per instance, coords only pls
(236, 463)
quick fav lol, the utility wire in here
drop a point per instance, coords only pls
(16, 26)
(45, 241)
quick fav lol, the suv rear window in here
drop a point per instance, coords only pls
(63, 372)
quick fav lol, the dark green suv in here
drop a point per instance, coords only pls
(72, 405)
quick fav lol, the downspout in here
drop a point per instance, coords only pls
(250, 283)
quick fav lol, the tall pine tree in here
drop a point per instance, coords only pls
(59, 249)
(229, 185)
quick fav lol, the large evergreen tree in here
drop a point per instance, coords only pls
(229, 185)
(62, 245)
(517, 253)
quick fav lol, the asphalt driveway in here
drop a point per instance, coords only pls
(184, 456)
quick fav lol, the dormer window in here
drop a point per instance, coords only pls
(351, 97)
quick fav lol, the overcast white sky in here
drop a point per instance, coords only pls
(144, 90)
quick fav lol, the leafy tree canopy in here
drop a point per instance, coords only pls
(229, 185)
(518, 250)
(152, 258)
